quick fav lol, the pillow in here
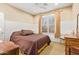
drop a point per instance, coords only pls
(26, 32)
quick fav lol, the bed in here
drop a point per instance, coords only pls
(30, 44)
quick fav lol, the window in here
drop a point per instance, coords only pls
(48, 24)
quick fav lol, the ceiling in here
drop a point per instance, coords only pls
(37, 8)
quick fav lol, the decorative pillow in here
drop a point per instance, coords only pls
(26, 32)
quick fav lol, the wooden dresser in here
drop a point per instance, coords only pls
(71, 40)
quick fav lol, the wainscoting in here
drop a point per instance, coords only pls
(11, 26)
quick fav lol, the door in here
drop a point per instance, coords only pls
(48, 25)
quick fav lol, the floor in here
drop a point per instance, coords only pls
(54, 49)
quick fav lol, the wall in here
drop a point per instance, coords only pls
(75, 12)
(65, 15)
(36, 23)
(13, 14)
(15, 19)
(67, 22)
(65, 18)
(11, 26)
(1, 26)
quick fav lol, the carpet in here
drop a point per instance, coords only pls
(54, 49)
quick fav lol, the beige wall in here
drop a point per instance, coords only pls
(36, 23)
(13, 14)
(15, 20)
(66, 14)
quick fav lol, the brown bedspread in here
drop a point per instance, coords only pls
(32, 43)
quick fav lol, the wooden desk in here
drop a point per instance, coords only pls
(71, 40)
(8, 48)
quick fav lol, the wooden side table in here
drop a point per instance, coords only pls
(8, 48)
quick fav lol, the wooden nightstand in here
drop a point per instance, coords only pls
(8, 48)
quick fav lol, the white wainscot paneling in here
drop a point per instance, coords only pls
(36, 28)
(11, 26)
(67, 27)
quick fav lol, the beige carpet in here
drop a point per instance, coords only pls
(54, 49)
